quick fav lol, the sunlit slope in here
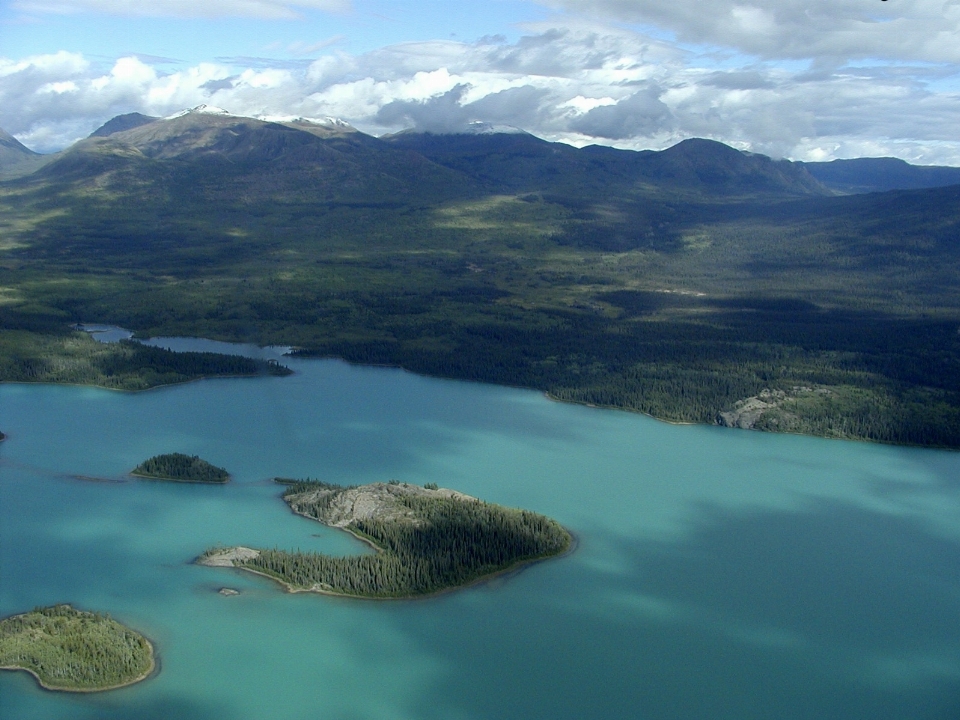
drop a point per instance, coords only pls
(717, 288)
(225, 158)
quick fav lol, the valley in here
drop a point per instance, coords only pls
(678, 283)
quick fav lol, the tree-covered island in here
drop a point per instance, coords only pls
(69, 356)
(74, 650)
(428, 540)
(180, 468)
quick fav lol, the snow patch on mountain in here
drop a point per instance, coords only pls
(330, 122)
(485, 128)
(200, 110)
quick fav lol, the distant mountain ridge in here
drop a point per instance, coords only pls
(218, 155)
(221, 155)
(16, 158)
(328, 160)
(712, 164)
(8, 143)
(862, 175)
(520, 162)
(129, 121)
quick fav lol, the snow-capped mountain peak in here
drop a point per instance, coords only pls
(484, 128)
(199, 110)
(328, 122)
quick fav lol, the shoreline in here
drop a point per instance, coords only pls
(299, 353)
(180, 480)
(676, 423)
(154, 666)
(229, 557)
(139, 390)
(679, 423)
(514, 568)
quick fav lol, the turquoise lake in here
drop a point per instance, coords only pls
(720, 574)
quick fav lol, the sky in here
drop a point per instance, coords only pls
(804, 79)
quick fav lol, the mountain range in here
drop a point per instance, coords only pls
(337, 162)
(695, 283)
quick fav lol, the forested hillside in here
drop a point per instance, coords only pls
(685, 284)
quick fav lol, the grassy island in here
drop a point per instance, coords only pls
(180, 468)
(74, 650)
(427, 539)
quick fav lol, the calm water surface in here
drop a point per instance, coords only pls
(720, 574)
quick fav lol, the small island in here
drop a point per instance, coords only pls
(74, 650)
(428, 540)
(180, 468)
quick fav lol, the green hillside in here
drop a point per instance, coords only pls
(689, 284)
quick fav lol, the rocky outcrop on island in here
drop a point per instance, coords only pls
(227, 557)
(428, 540)
(341, 507)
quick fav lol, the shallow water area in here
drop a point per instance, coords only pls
(720, 574)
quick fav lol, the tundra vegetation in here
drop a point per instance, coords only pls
(75, 650)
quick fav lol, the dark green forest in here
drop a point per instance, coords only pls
(598, 276)
(448, 542)
(66, 356)
(182, 468)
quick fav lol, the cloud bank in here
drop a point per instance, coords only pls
(585, 82)
(263, 9)
(830, 30)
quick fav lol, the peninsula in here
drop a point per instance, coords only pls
(74, 650)
(427, 540)
(180, 468)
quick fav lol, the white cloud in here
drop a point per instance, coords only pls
(926, 30)
(64, 64)
(58, 87)
(265, 9)
(642, 114)
(582, 84)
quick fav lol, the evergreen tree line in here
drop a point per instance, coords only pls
(127, 365)
(907, 372)
(177, 466)
(188, 363)
(451, 542)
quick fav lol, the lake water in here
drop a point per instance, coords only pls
(720, 574)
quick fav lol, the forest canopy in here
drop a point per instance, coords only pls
(76, 650)
(427, 540)
(182, 468)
